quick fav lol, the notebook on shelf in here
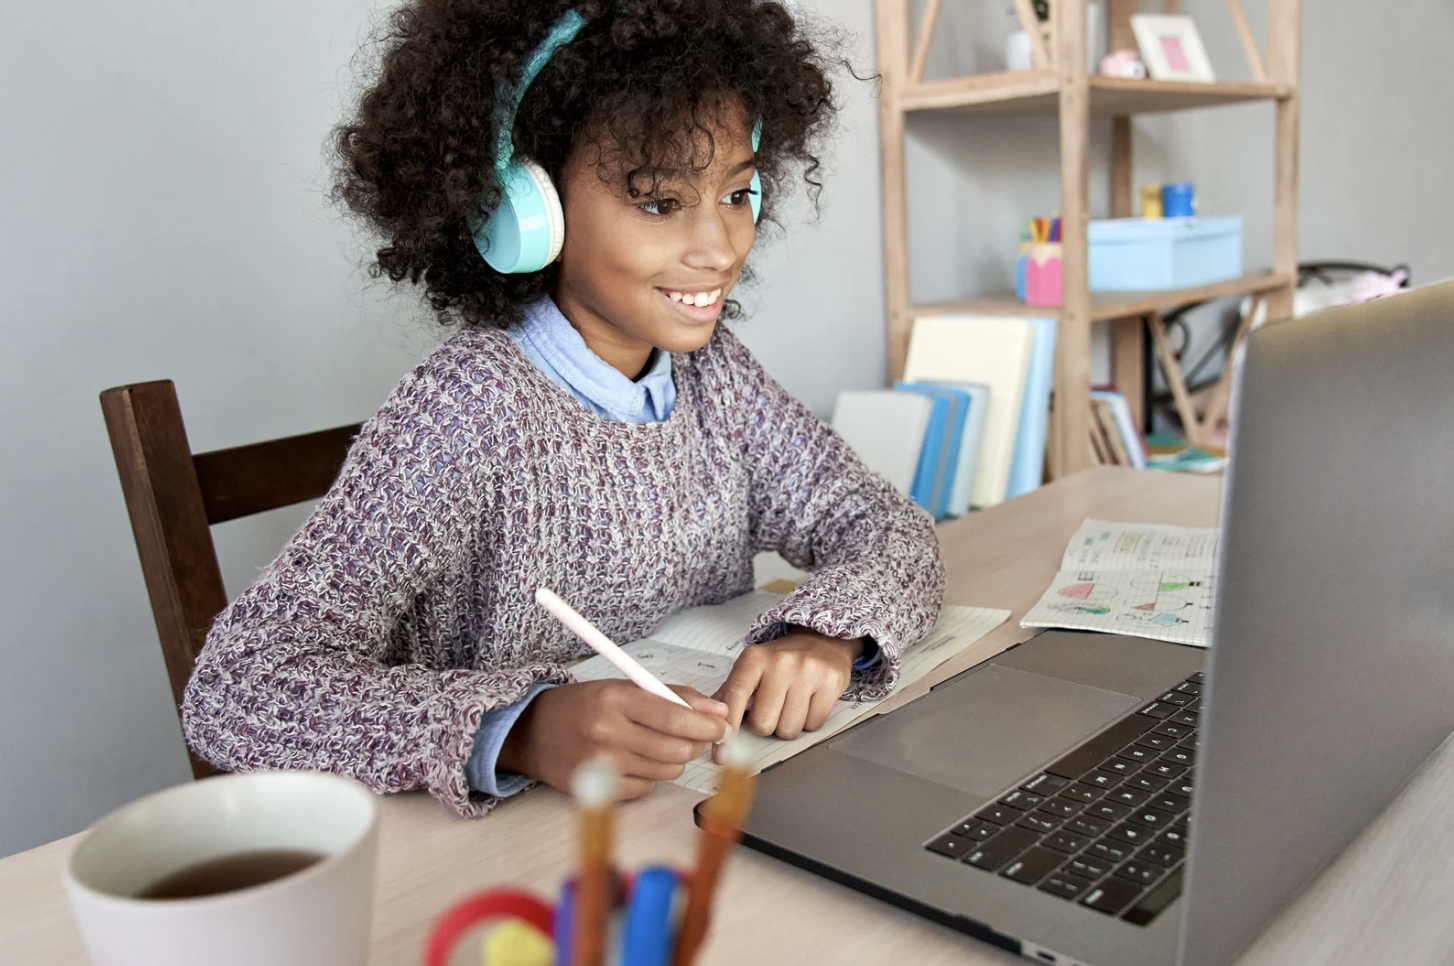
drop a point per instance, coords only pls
(1027, 469)
(886, 429)
(965, 452)
(939, 470)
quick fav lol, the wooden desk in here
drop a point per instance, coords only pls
(1388, 899)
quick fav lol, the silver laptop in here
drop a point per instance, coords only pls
(1110, 801)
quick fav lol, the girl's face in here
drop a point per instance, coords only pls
(653, 270)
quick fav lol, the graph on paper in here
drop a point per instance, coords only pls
(1136, 579)
(697, 647)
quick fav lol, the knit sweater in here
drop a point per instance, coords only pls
(404, 607)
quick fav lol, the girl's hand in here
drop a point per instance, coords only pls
(789, 685)
(647, 738)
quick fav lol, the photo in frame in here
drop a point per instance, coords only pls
(1171, 48)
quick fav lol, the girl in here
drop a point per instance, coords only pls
(591, 428)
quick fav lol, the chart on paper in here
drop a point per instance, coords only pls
(1141, 580)
(698, 647)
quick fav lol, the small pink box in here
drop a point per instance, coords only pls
(1037, 274)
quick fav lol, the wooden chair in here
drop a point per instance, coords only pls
(174, 496)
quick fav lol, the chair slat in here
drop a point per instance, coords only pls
(244, 480)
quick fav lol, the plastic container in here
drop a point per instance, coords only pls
(1138, 255)
(1037, 274)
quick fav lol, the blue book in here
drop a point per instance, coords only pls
(965, 431)
(929, 485)
(1027, 468)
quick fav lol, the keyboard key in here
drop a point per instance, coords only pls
(1044, 784)
(1195, 706)
(1138, 754)
(1081, 793)
(1087, 826)
(1111, 851)
(1091, 753)
(1188, 688)
(1088, 865)
(991, 854)
(954, 846)
(1173, 838)
(1158, 710)
(1065, 885)
(975, 829)
(1165, 769)
(1183, 825)
(1126, 795)
(1152, 818)
(1170, 801)
(1192, 741)
(1172, 730)
(1176, 698)
(1188, 718)
(1021, 799)
(1102, 779)
(1141, 873)
(1109, 811)
(1182, 787)
(1120, 766)
(1153, 902)
(1064, 807)
(1197, 678)
(1130, 833)
(1157, 742)
(1065, 842)
(1111, 896)
(1039, 822)
(1179, 756)
(1164, 855)
(1147, 783)
(1033, 865)
(998, 814)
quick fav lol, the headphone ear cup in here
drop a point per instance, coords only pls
(755, 199)
(554, 213)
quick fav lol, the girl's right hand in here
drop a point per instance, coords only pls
(647, 738)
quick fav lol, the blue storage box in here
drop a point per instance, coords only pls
(1153, 255)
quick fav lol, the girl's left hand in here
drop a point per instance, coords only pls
(789, 685)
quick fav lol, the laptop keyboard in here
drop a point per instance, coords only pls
(1106, 824)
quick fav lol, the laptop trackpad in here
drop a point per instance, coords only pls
(987, 730)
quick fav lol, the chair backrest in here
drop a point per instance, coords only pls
(173, 497)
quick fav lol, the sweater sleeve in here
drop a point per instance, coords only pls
(873, 553)
(303, 670)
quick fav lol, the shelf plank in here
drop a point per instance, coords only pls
(1037, 92)
(1109, 305)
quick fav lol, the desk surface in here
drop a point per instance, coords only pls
(1387, 899)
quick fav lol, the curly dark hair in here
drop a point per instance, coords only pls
(651, 78)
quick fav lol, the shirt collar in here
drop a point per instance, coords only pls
(552, 335)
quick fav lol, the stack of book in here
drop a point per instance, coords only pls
(1114, 435)
(966, 426)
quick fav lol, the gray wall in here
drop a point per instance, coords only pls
(162, 215)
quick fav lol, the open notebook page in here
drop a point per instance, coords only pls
(697, 648)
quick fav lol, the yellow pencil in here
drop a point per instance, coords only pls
(595, 785)
(722, 818)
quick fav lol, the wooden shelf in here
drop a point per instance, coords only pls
(1109, 305)
(1038, 92)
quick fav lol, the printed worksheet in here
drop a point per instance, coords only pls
(1138, 579)
(697, 647)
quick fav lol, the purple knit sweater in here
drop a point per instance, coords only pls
(404, 609)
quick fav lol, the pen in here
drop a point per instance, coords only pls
(604, 646)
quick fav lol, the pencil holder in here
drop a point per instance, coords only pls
(1037, 273)
(519, 929)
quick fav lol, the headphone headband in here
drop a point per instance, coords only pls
(509, 97)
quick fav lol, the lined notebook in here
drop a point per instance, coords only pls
(697, 647)
(1134, 578)
(994, 352)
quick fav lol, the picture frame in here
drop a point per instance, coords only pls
(1171, 48)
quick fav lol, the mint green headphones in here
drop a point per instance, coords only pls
(526, 231)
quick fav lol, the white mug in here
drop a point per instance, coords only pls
(317, 916)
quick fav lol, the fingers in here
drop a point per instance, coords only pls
(699, 701)
(767, 702)
(673, 720)
(794, 713)
(737, 691)
(820, 707)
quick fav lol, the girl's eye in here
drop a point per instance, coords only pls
(739, 197)
(660, 206)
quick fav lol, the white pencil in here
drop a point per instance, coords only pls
(604, 646)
